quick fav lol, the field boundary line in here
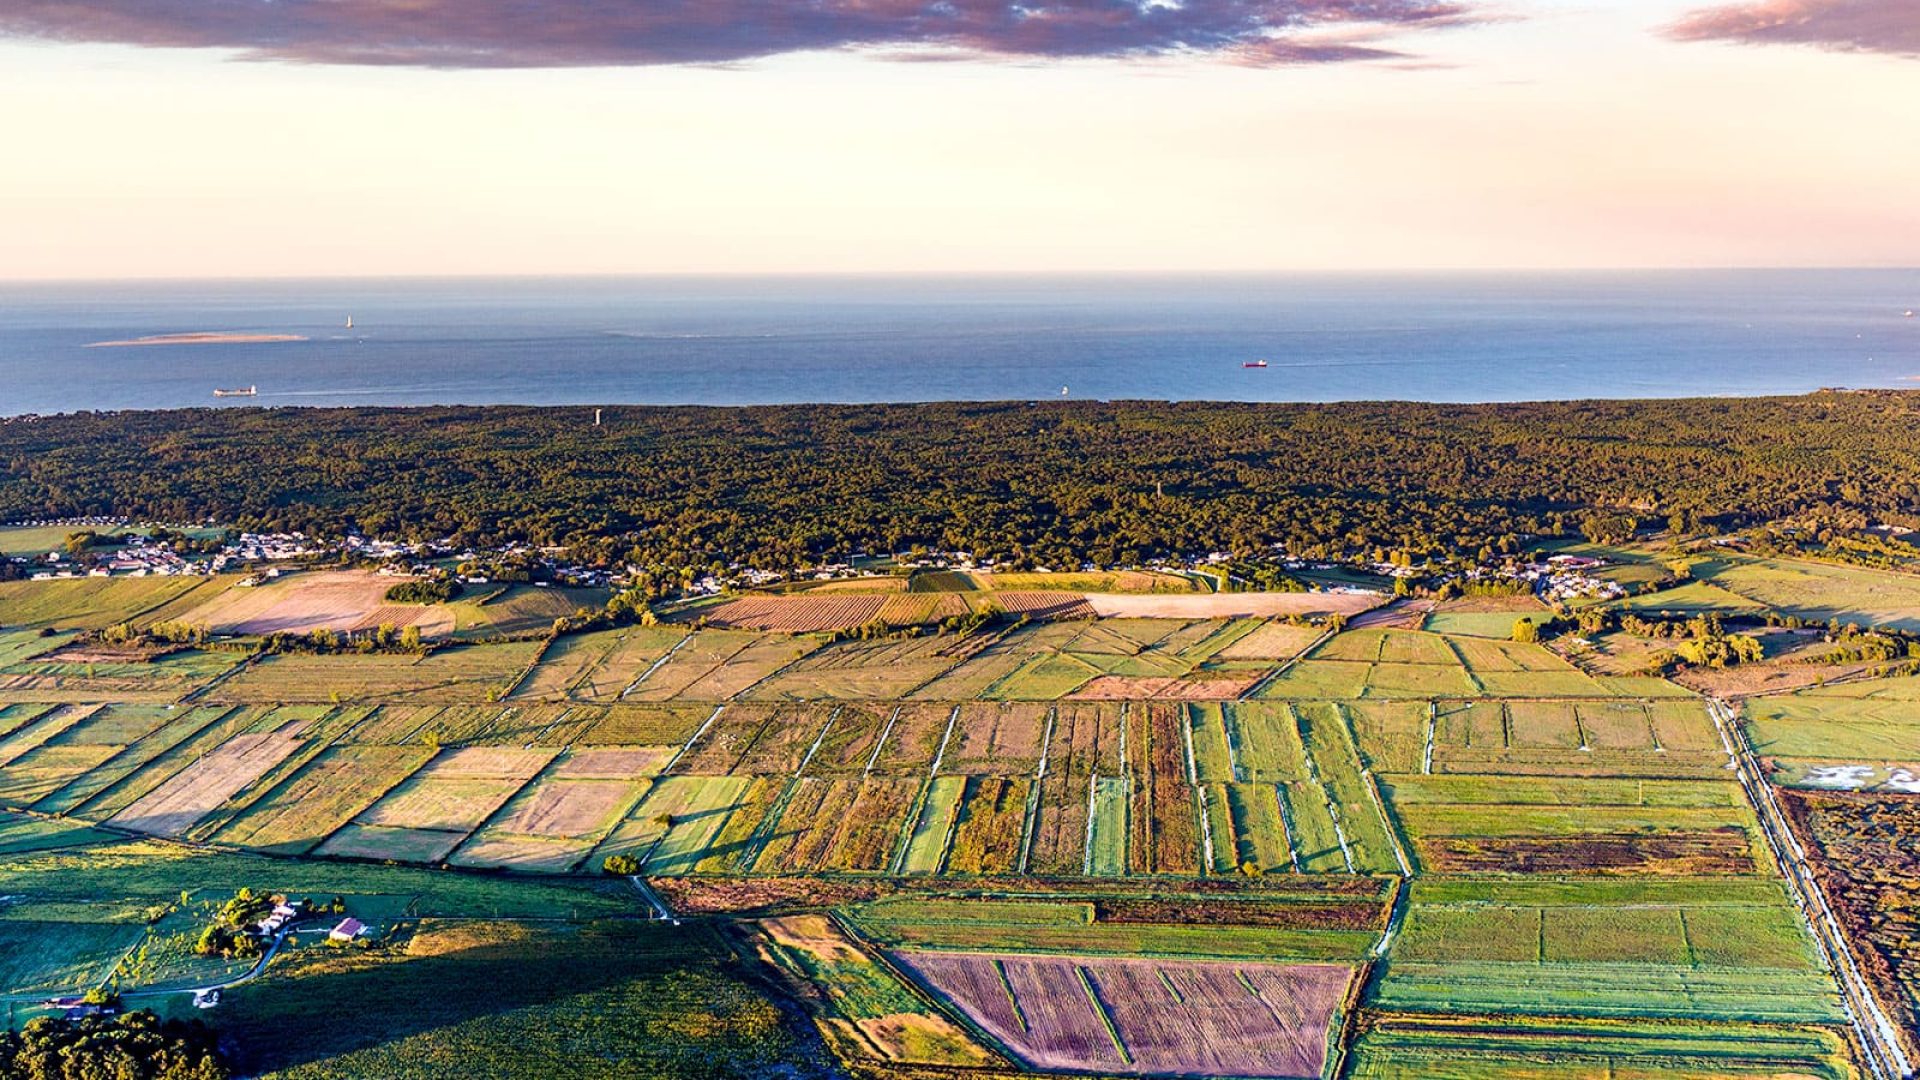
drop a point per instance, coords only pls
(207, 687)
(1878, 1036)
(817, 740)
(874, 758)
(656, 665)
(1286, 826)
(1466, 666)
(520, 680)
(1086, 848)
(1433, 721)
(240, 802)
(1373, 789)
(1326, 795)
(1232, 732)
(940, 755)
(433, 713)
(556, 722)
(1030, 818)
(1199, 793)
(691, 739)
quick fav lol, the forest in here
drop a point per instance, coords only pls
(1037, 483)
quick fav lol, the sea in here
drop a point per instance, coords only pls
(1453, 337)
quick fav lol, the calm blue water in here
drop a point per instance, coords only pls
(1485, 337)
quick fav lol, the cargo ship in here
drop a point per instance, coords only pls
(245, 391)
(1254, 364)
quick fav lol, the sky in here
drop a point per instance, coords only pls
(233, 138)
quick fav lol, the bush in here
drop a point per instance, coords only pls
(424, 591)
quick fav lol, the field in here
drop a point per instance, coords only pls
(1859, 735)
(1709, 949)
(93, 603)
(1072, 843)
(316, 600)
(495, 611)
(1143, 1017)
(1817, 591)
(467, 673)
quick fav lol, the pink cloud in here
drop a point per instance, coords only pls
(1885, 26)
(570, 33)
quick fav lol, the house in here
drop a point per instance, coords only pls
(348, 929)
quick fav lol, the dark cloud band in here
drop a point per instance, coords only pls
(1886, 26)
(570, 33)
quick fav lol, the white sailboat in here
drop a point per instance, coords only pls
(349, 322)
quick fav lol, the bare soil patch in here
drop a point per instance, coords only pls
(341, 600)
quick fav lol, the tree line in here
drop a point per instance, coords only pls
(1052, 484)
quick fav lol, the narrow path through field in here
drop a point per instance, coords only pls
(1877, 1035)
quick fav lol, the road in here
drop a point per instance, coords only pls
(1876, 1034)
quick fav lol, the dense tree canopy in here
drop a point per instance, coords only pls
(1052, 482)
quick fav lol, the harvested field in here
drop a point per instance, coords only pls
(742, 669)
(360, 841)
(753, 739)
(818, 814)
(519, 610)
(157, 679)
(1059, 843)
(850, 742)
(803, 614)
(1208, 687)
(624, 763)
(201, 787)
(1086, 739)
(316, 600)
(1144, 1017)
(1229, 605)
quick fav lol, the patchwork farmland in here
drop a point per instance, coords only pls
(1165, 834)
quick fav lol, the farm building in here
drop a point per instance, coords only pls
(348, 929)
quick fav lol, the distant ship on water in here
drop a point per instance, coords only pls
(349, 322)
(247, 391)
(1254, 364)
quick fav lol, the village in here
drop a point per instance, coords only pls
(118, 547)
